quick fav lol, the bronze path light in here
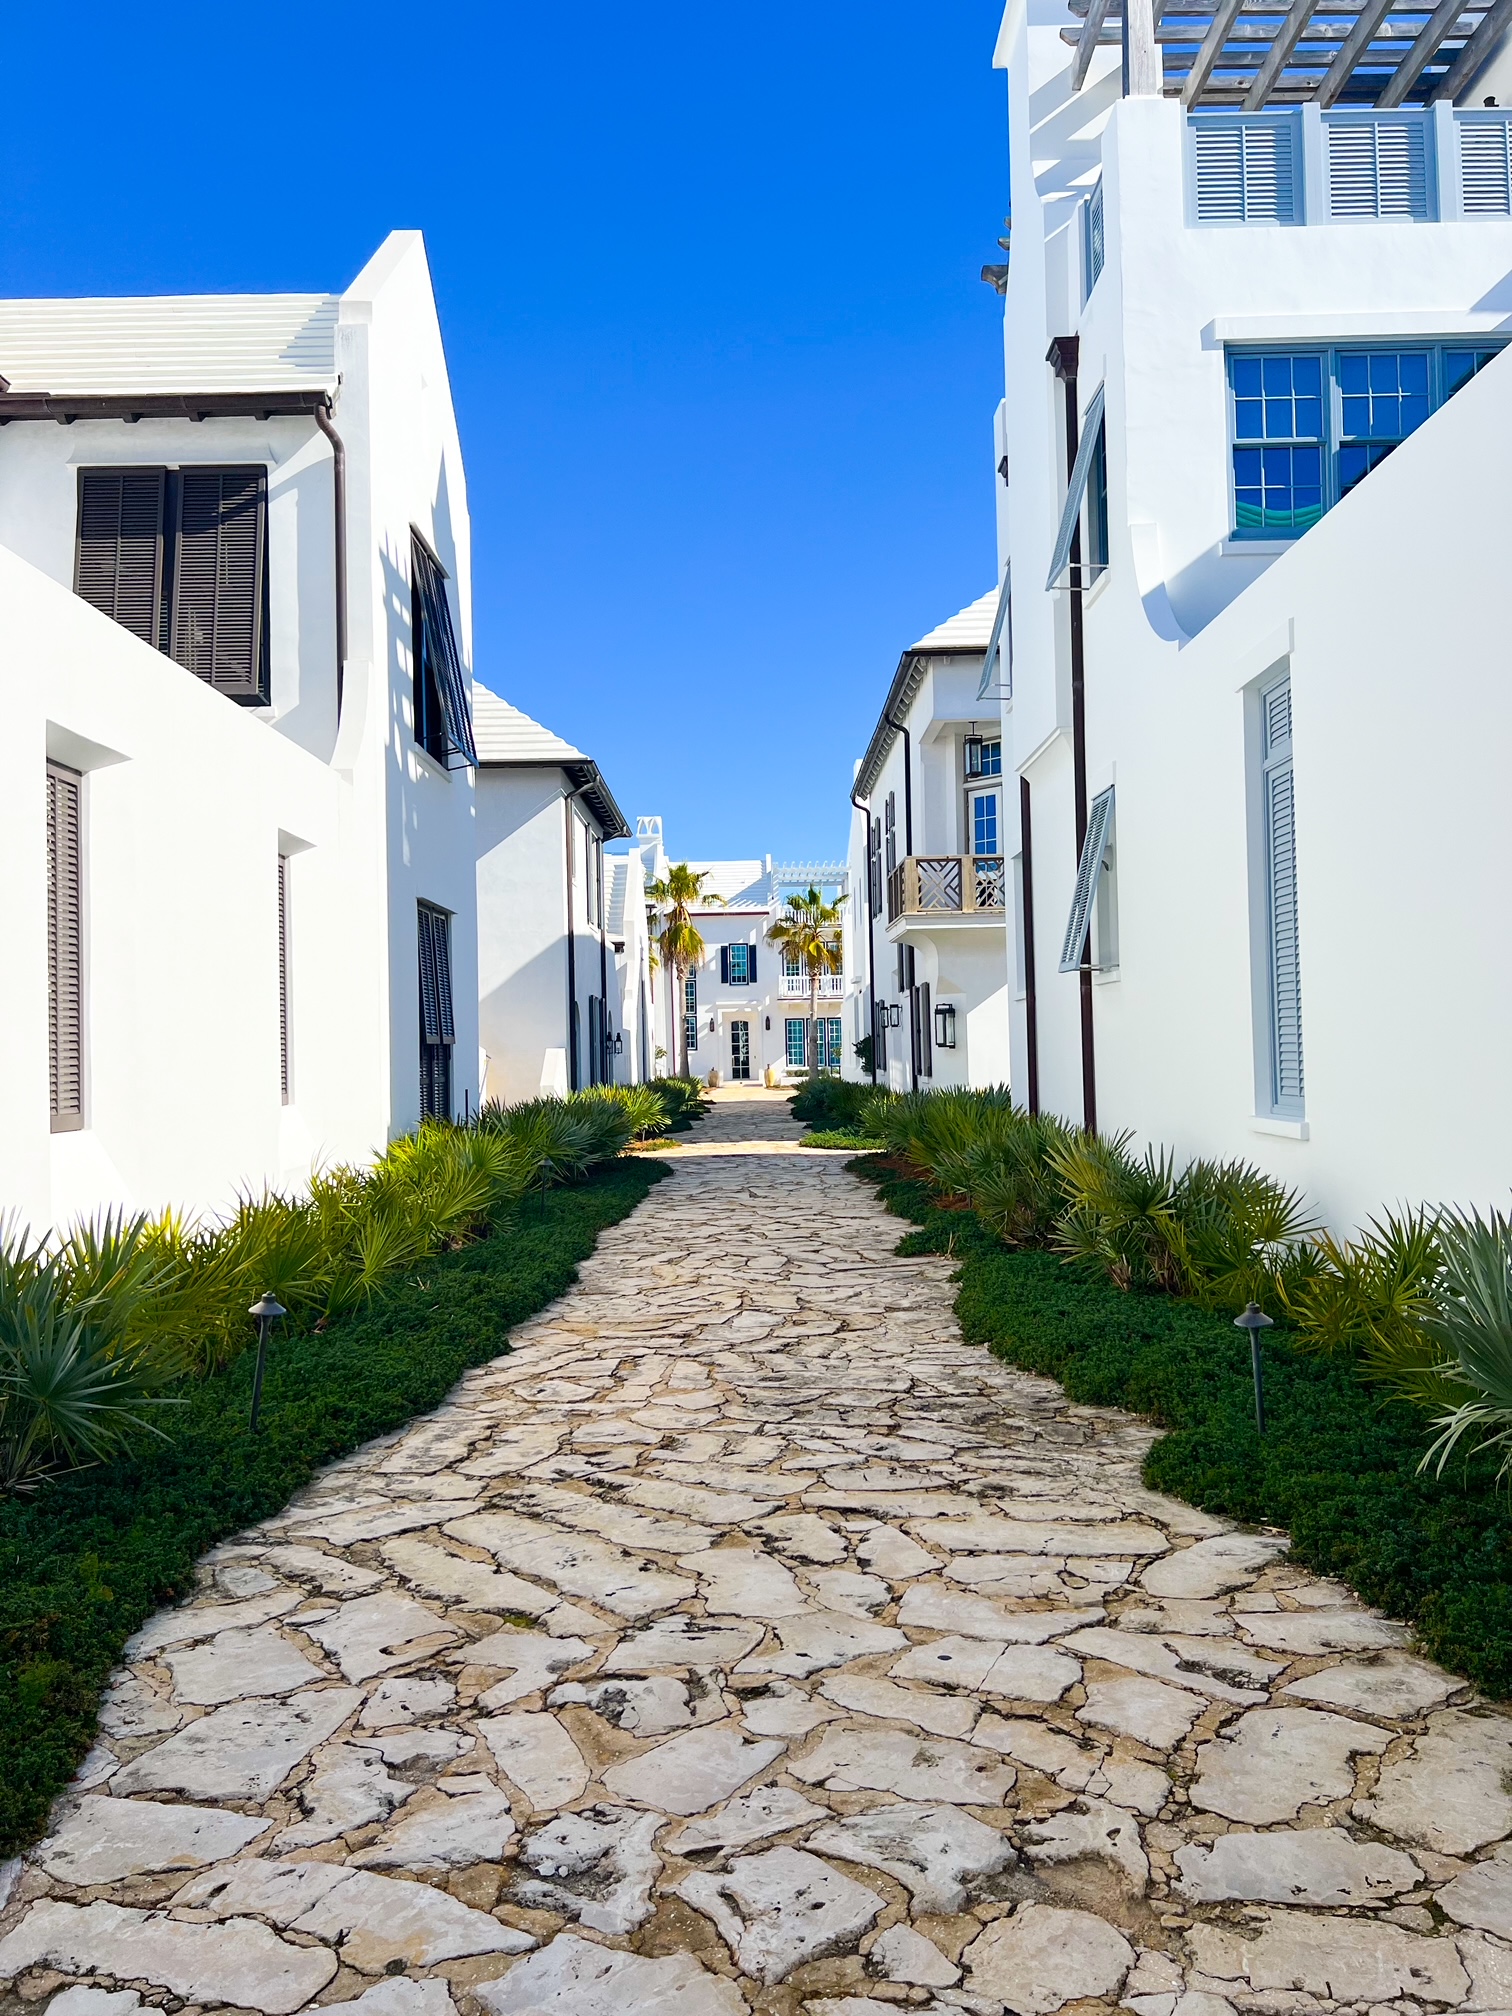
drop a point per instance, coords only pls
(1254, 1320)
(267, 1310)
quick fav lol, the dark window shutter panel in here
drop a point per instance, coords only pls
(218, 579)
(724, 965)
(441, 932)
(430, 1008)
(65, 948)
(926, 1031)
(118, 555)
(751, 965)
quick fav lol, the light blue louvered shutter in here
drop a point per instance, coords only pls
(1281, 899)
(1246, 170)
(1485, 167)
(1378, 167)
(1094, 846)
(1093, 244)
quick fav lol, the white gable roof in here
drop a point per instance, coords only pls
(505, 735)
(171, 343)
(970, 629)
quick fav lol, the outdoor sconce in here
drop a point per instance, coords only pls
(619, 1044)
(894, 1015)
(973, 748)
(1254, 1319)
(713, 1025)
(945, 1021)
(769, 1021)
(267, 1309)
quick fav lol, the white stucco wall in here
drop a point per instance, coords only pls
(1389, 613)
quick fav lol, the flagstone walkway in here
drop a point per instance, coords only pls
(742, 1641)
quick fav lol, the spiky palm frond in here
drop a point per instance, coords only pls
(1472, 1328)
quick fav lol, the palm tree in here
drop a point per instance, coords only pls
(679, 943)
(809, 931)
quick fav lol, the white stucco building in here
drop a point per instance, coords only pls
(551, 1013)
(926, 869)
(1253, 519)
(747, 1005)
(236, 802)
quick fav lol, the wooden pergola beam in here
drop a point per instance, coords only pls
(1287, 37)
(1372, 13)
(1224, 16)
(1476, 54)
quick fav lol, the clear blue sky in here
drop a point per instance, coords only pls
(722, 362)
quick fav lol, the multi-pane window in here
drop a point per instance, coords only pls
(690, 994)
(179, 557)
(992, 757)
(874, 866)
(1308, 425)
(438, 1028)
(827, 1037)
(890, 830)
(740, 963)
(984, 822)
(795, 1042)
(690, 1031)
(65, 949)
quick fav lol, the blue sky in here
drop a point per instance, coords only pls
(722, 362)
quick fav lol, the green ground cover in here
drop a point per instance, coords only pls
(88, 1558)
(1338, 1466)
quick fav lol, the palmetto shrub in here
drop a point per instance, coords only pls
(95, 1327)
(1370, 1298)
(1472, 1330)
(1014, 1185)
(683, 1099)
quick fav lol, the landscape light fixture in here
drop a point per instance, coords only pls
(1254, 1320)
(973, 748)
(945, 1026)
(267, 1310)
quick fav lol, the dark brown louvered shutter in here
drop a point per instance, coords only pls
(218, 579)
(283, 976)
(118, 554)
(430, 1007)
(65, 950)
(441, 936)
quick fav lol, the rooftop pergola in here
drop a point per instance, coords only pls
(1249, 54)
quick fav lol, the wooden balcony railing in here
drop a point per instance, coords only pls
(963, 884)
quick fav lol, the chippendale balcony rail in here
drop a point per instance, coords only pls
(964, 884)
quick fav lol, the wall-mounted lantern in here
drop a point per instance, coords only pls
(973, 749)
(619, 1043)
(945, 1025)
(894, 1015)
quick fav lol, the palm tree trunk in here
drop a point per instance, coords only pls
(680, 1005)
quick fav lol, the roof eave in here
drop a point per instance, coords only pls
(66, 407)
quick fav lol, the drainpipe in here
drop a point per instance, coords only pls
(1062, 357)
(338, 472)
(603, 980)
(864, 808)
(1031, 995)
(913, 1005)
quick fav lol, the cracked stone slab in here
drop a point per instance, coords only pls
(369, 1634)
(1451, 1793)
(1148, 1710)
(185, 1626)
(1274, 1761)
(376, 1919)
(929, 1606)
(935, 1852)
(103, 1840)
(593, 1569)
(682, 1644)
(240, 1962)
(690, 1773)
(1392, 1685)
(131, 1709)
(532, 1661)
(1306, 1633)
(474, 1827)
(886, 1551)
(782, 1908)
(1018, 1672)
(1220, 1670)
(745, 1582)
(769, 1810)
(398, 1704)
(982, 1533)
(1041, 1748)
(573, 1977)
(1089, 1827)
(902, 1954)
(653, 1707)
(596, 1866)
(869, 1694)
(1042, 1958)
(914, 1767)
(819, 1640)
(537, 1754)
(435, 1571)
(804, 1536)
(238, 1664)
(1214, 1566)
(398, 1996)
(241, 1751)
(348, 1788)
(1482, 1896)
(1346, 1959)
(329, 1572)
(1317, 1865)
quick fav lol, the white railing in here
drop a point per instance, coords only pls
(794, 987)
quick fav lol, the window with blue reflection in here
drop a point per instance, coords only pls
(1309, 425)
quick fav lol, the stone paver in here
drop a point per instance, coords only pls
(741, 1641)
